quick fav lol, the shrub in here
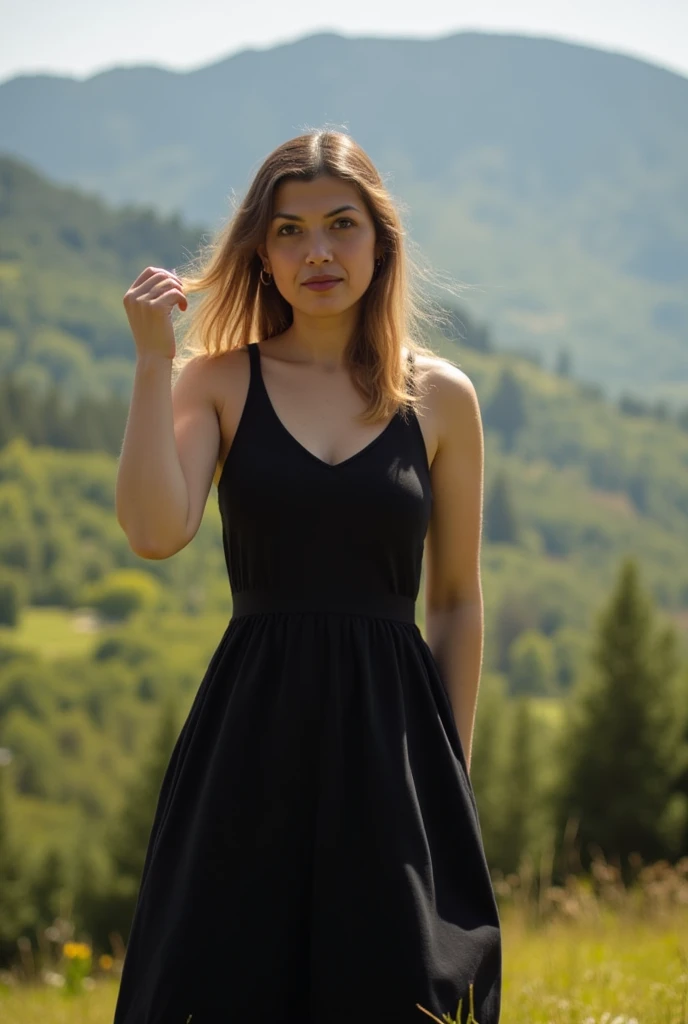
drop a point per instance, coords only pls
(122, 593)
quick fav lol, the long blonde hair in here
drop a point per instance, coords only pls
(236, 310)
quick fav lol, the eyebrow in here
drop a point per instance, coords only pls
(333, 213)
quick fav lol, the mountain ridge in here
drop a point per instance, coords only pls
(550, 176)
(331, 34)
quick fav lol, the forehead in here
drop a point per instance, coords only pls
(316, 197)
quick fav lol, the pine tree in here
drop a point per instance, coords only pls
(519, 789)
(133, 828)
(486, 766)
(532, 665)
(506, 410)
(49, 885)
(623, 748)
(106, 905)
(15, 911)
(501, 525)
(563, 364)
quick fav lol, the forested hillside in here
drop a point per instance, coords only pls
(66, 260)
(551, 178)
(101, 652)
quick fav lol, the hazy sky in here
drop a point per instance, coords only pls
(80, 37)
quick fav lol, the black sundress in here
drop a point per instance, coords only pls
(316, 855)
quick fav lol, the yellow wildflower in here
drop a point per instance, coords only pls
(76, 950)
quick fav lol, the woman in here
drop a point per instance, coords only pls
(316, 853)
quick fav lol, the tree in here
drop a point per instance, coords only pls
(532, 666)
(517, 612)
(459, 326)
(623, 748)
(50, 884)
(131, 832)
(15, 912)
(506, 410)
(519, 789)
(123, 592)
(486, 765)
(501, 526)
(563, 364)
(11, 599)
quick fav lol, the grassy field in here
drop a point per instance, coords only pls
(57, 632)
(611, 968)
(52, 631)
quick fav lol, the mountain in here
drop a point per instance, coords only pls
(550, 178)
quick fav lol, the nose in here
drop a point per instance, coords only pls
(319, 251)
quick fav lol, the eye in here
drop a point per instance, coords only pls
(283, 230)
(346, 220)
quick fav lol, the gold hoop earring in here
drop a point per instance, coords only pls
(263, 271)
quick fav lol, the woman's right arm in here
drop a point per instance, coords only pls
(172, 436)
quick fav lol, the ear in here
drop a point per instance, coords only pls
(263, 253)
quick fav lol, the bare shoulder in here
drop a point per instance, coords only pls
(217, 381)
(206, 374)
(446, 380)
(229, 377)
(449, 402)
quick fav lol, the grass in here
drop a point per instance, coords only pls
(57, 632)
(606, 969)
(53, 632)
(613, 971)
(590, 951)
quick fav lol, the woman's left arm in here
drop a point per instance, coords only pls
(453, 589)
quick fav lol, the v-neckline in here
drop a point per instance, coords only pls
(295, 440)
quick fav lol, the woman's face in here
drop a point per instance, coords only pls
(320, 228)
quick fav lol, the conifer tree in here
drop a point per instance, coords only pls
(501, 526)
(532, 665)
(519, 788)
(49, 885)
(486, 762)
(133, 828)
(15, 911)
(506, 410)
(623, 746)
(105, 905)
(563, 364)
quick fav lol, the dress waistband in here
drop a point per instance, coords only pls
(385, 606)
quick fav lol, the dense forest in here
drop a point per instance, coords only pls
(584, 693)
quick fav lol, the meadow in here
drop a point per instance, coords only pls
(590, 951)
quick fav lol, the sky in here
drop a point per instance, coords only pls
(78, 38)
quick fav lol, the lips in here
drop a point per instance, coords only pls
(321, 284)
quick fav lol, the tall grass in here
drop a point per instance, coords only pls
(591, 951)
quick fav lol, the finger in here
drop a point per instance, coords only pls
(154, 272)
(146, 274)
(152, 284)
(171, 298)
(169, 289)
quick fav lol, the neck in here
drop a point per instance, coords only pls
(322, 340)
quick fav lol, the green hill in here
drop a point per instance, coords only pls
(66, 260)
(550, 177)
(95, 639)
(587, 483)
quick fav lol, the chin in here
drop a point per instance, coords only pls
(326, 305)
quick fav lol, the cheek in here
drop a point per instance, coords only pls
(284, 258)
